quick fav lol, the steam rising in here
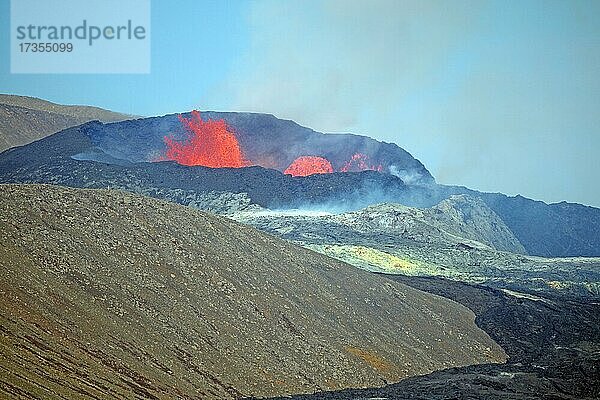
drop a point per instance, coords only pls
(408, 177)
(501, 97)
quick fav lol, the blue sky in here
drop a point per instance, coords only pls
(194, 46)
(495, 95)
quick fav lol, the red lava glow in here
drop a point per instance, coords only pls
(359, 162)
(309, 165)
(210, 143)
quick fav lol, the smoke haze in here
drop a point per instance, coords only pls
(493, 95)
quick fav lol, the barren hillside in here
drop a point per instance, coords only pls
(26, 119)
(113, 295)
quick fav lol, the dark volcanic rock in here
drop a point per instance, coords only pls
(529, 330)
(553, 345)
(551, 230)
(265, 140)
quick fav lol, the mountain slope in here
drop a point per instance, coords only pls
(553, 345)
(551, 230)
(458, 218)
(84, 157)
(470, 217)
(26, 119)
(87, 113)
(263, 139)
(455, 239)
(547, 230)
(113, 295)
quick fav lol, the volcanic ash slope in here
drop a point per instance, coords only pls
(111, 295)
(25, 119)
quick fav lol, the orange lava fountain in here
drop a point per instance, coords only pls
(209, 143)
(309, 165)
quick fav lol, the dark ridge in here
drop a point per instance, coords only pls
(264, 139)
(81, 157)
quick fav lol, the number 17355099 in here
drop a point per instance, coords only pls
(37, 47)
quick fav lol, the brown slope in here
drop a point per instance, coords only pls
(26, 119)
(76, 111)
(111, 295)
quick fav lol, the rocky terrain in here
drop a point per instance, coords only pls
(553, 346)
(26, 119)
(455, 219)
(106, 294)
(461, 239)
(264, 140)
(80, 157)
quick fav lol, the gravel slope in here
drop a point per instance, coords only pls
(26, 119)
(112, 295)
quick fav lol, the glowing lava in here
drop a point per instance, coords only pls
(309, 165)
(359, 162)
(209, 143)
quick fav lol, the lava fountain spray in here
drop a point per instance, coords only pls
(360, 162)
(309, 165)
(210, 143)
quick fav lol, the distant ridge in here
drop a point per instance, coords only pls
(76, 111)
(108, 155)
(26, 119)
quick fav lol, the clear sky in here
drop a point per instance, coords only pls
(494, 95)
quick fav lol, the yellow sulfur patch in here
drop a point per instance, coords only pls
(361, 255)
